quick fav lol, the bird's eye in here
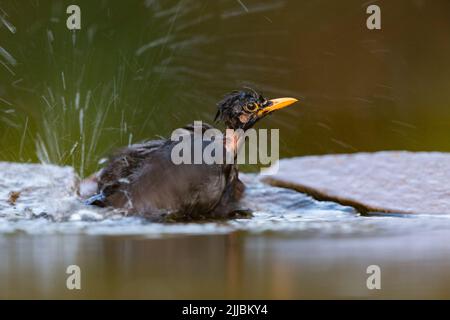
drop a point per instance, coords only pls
(251, 107)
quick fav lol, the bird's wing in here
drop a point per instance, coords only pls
(128, 160)
(123, 164)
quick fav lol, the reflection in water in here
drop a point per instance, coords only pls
(223, 266)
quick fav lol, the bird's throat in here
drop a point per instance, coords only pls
(233, 141)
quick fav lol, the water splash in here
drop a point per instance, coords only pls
(47, 202)
(8, 24)
(93, 101)
(7, 56)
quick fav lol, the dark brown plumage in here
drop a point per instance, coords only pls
(143, 179)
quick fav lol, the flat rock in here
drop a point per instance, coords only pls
(388, 181)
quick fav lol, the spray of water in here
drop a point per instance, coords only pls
(86, 92)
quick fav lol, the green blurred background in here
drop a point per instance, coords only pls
(138, 69)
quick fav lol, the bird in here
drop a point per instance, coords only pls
(143, 180)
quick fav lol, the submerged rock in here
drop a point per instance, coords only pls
(390, 181)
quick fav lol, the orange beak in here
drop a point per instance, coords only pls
(277, 104)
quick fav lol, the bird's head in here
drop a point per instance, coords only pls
(242, 109)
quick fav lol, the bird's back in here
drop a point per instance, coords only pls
(143, 179)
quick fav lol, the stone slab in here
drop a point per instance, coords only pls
(388, 181)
